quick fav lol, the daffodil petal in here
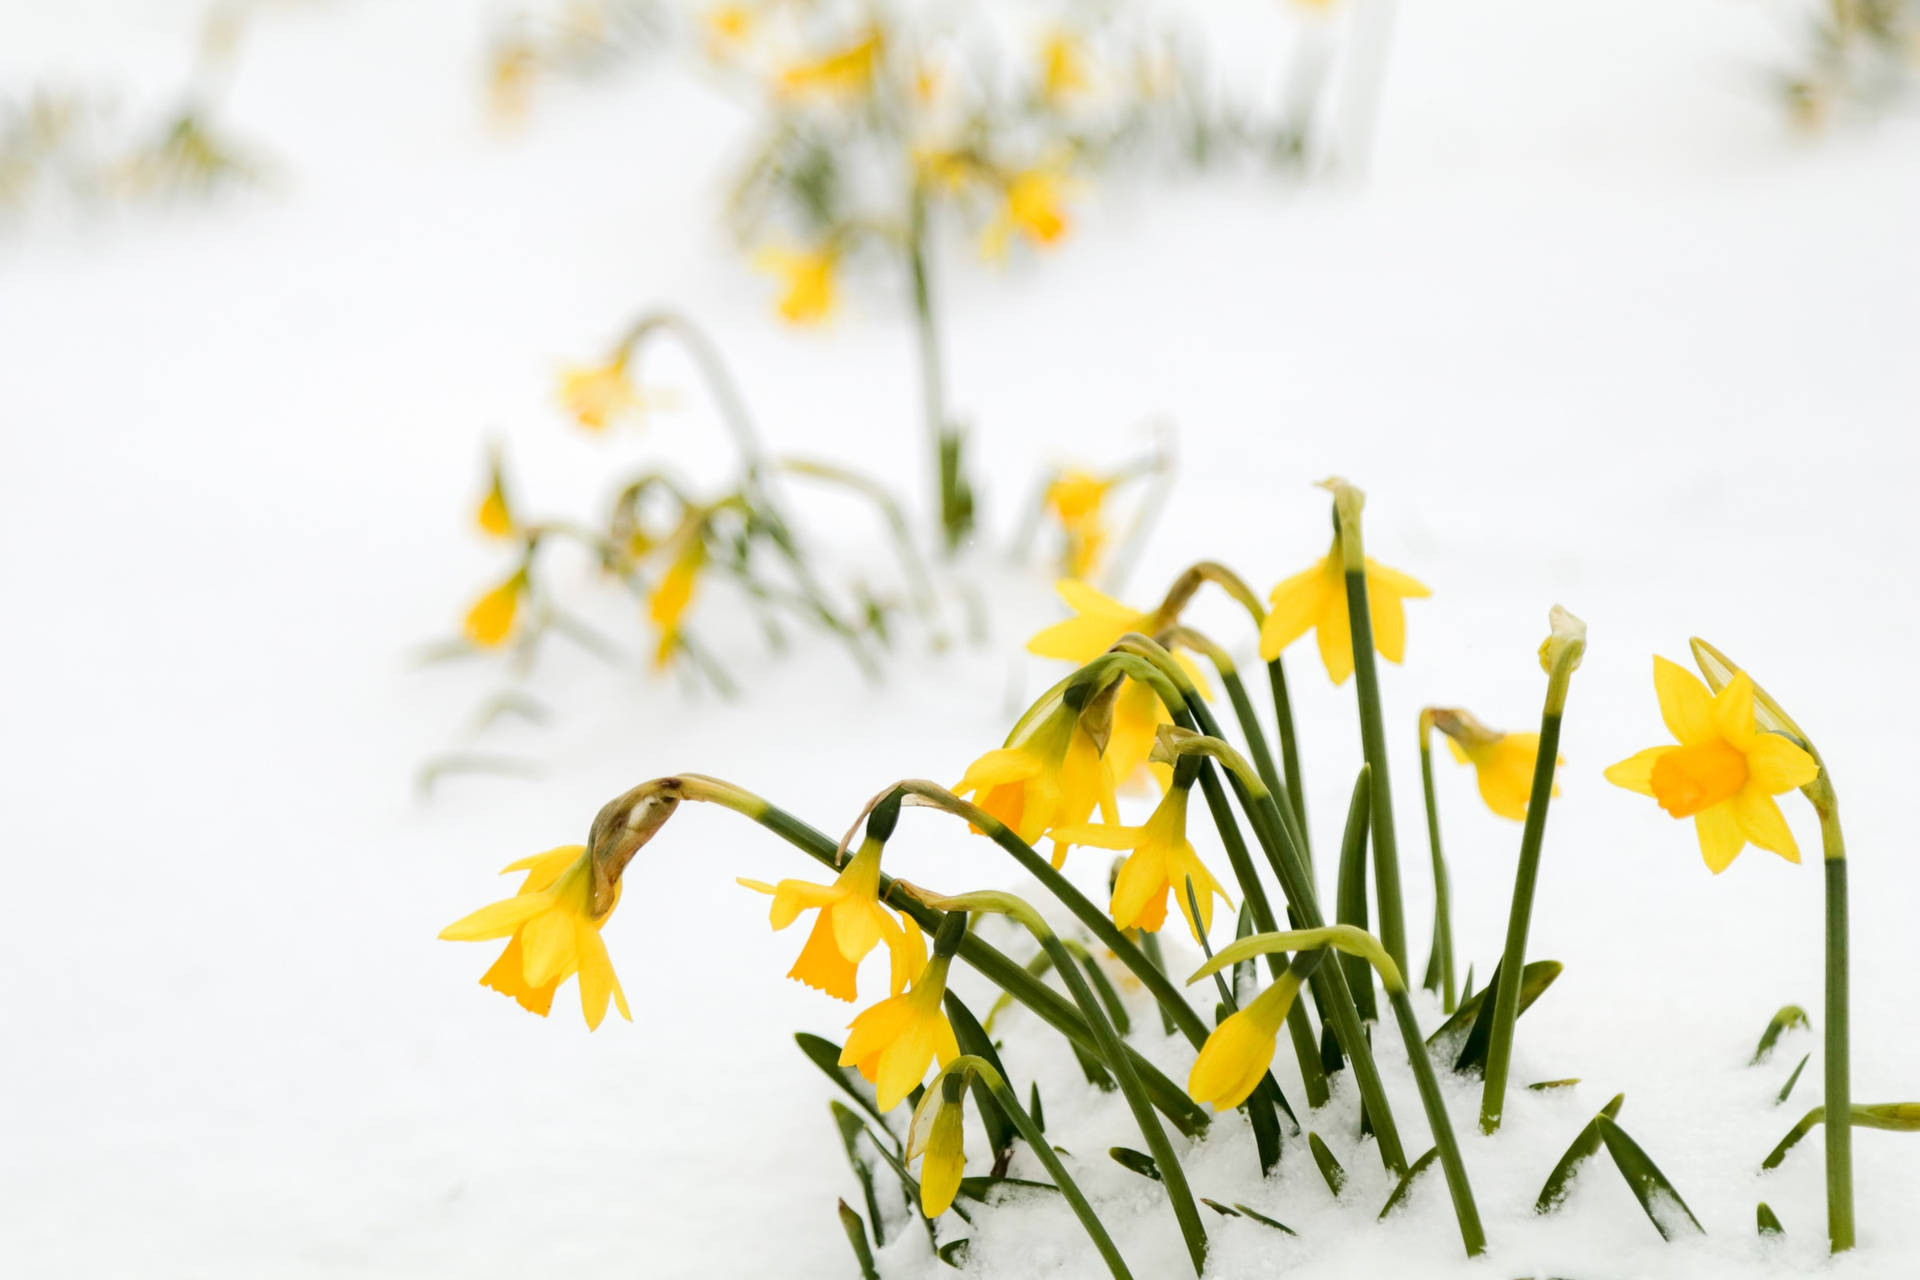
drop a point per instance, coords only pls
(1733, 711)
(1685, 704)
(1777, 765)
(496, 920)
(1721, 838)
(1762, 822)
(1635, 773)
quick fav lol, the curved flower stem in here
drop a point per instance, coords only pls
(1010, 1103)
(1440, 969)
(1357, 942)
(1161, 987)
(1329, 984)
(1566, 654)
(1373, 734)
(1112, 1052)
(994, 965)
(1236, 694)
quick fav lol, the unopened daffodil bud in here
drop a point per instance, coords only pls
(937, 1136)
(1238, 1053)
(490, 621)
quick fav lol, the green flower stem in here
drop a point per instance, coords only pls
(1441, 971)
(1290, 756)
(951, 489)
(1010, 1103)
(1357, 942)
(1116, 1057)
(1373, 734)
(919, 580)
(1097, 922)
(1236, 694)
(1506, 1000)
(1838, 1062)
(994, 965)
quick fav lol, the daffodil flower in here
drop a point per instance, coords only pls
(596, 395)
(846, 72)
(850, 923)
(1502, 762)
(937, 1135)
(669, 600)
(1238, 1053)
(893, 1043)
(493, 516)
(1033, 203)
(1048, 775)
(1075, 498)
(1161, 862)
(807, 277)
(1098, 622)
(553, 934)
(1725, 771)
(490, 621)
(1316, 600)
(1063, 63)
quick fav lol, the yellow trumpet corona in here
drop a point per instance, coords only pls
(1316, 600)
(552, 934)
(850, 923)
(1723, 773)
(1052, 775)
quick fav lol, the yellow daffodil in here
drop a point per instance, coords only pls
(1238, 1053)
(1502, 762)
(1099, 620)
(552, 935)
(669, 600)
(490, 620)
(1075, 498)
(1063, 61)
(1725, 771)
(893, 1043)
(1050, 774)
(728, 26)
(1162, 862)
(494, 516)
(1316, 600)
(598, 394)
(937, 1135)
(851, 922)
(510, 80)
(1034, 204)
(807, 279)
(846, 72)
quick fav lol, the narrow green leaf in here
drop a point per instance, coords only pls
(1902, 1117)
(1135, 1162)
(1264, 1220)
(1094, 1070)
(974, 1040)
(1471, 1026)
(1102, 987)
(1329, 1167)
(1585, 1144)
(1224, 1211)
(1405, 1184)
(1767, 1221)
(1351, 895)
(977, 1186)
(1663, 1205)
(908, 1182)
(825, 1054)
(1034, 1108)
(1792, 1080)
(1149, 944)
(1246, 973)
(1542, 1086)
(852, 1128)
(1789, 1017)
(857, 1237)
(1466, 987)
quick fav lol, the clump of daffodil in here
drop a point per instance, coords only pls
(1098, 622)
(1033, 203)
(597, 394)
(1725, 770)
(494, 515)
(1075, 499)
(1239, 1051)
(553, 933)
(937, 1135)
(1049, 774)
(490, 621)
(893, 1043)
(1502, 762)
(807, 282)
(1316, 600)
(1162, 861)
(1063, 66)
(851, 922)
(667, 604)
(846, 72)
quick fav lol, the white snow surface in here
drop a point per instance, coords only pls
(1596, 329)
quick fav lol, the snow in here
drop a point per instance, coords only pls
(1596, 329)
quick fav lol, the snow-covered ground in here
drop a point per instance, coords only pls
(1597, 330)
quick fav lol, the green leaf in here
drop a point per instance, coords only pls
(1149, 944)
(973, 1040)
(1034, 1109)
(1789, 1017)
(977, 1186)
(1542, 1086)
(1663, 1205)
(1466, 987)
(1767, 1221)
(1102, 987)
(825, 1054)
(1901, 1117)
(1471, 1026)
(910, 1183)
(1585, 1145)
(1329, 1167)
(1135, 1162)
(1405, 1184)
(954, 1252)
(1792, 1080)
(1351, 896)
(1264, 1220)
(857, 1237)
(852, 1127)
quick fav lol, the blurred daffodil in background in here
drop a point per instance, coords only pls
(1502, 762)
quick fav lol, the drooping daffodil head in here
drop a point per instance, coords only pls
(1162, 861)
(1502, 762)
(937, 1136)
(851, 922)
(1724, 771)
(893, 1043)
(1049, 774)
